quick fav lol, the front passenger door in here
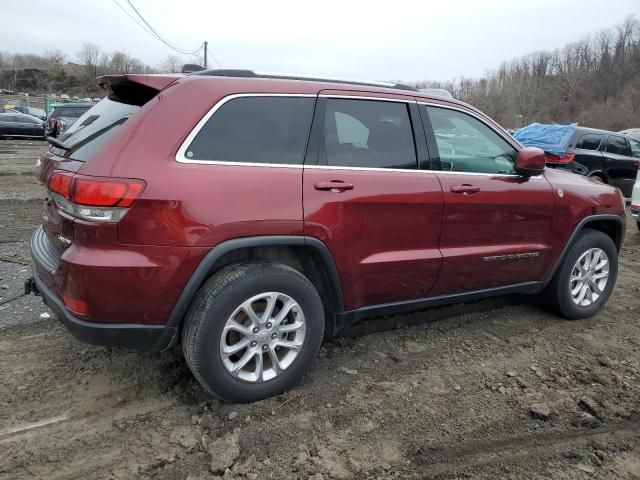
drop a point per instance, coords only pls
(496, 225)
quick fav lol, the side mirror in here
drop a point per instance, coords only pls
(530, 161)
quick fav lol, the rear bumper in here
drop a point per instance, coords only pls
(124, 335)
(146, 338)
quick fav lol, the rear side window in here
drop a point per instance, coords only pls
(368, 134)
(94, 128)
(589, 141)
(255, 130)
(617, 145)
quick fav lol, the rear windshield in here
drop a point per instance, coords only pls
(69, 112)
(93, 129)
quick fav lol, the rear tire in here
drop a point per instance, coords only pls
(579, 288)
(232, 311)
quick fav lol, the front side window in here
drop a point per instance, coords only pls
(635, 148)
(466, 144)
(368, 134)
(255, 130)
(590, 141)
(617, 145)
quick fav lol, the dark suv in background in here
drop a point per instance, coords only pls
(65, 115)
(248, 216)
(610, 157)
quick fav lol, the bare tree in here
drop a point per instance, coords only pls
(88, 56)
(55, 57)
(171, 64)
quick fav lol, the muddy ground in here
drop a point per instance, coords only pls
(491, 390)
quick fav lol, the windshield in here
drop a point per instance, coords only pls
(93, 129)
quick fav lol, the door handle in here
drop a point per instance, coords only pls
(333, 186)
(466, 189)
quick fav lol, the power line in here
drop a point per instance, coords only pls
(133, 18)
(146, 26)
(160, 37)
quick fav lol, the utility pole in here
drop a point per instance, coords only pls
(205, 54)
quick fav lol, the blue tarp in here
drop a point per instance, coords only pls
(552, 139)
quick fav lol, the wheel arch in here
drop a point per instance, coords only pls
(308, 255)
(600, 174)
(611, 225)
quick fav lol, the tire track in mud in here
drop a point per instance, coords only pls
(508, 450)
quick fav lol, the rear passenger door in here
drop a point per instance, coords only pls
(367, 200)
(620, 166)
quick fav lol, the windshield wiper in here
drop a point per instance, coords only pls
(57, 143)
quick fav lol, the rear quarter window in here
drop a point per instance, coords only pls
(255, 130)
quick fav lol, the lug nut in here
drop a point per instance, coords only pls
(269, 324)
(274, 336)
(256, 330)
(253, 344)
(264, 347)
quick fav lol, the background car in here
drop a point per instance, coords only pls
(34, 112)
(610, 157)
(20, 125)
(63, 116)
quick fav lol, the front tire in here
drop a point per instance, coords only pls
(586, 277)
(253, 331)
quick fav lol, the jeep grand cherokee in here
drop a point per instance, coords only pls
(248, 216)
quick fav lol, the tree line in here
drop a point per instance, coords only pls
(55, 72)
(594, 81)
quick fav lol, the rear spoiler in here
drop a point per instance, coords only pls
(135, 89)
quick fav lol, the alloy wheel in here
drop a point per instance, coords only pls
(589, 277)
(262, 337)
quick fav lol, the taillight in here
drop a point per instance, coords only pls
(555, 159)
(94, 198)
(52, 123)
(106, 193)
(60, 183)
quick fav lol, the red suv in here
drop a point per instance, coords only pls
(248, 216)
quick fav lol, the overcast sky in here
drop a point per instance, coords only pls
(388, 40)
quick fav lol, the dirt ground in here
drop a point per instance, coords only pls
(499, 389)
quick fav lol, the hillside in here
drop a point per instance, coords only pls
(594, 81)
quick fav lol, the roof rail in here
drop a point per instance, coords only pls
(289, 76)
(437, 92)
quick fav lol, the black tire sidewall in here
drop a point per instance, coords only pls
(268, 279)
(587, 240)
